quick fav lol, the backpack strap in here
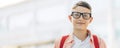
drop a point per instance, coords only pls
(95, 39)
(96, 43)
(63, 40)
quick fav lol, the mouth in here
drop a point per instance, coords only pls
(81, 23)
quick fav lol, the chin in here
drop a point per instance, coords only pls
(79, 28)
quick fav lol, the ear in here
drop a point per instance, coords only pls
(70, 18)
(91, 19)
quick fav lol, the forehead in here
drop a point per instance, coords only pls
(81, 9)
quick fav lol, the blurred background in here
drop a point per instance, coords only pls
(37, 23)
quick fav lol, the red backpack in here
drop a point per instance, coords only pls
(94, 38)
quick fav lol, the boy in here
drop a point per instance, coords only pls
(81, 36)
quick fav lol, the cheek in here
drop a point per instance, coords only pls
(88, 22)
(73, 22)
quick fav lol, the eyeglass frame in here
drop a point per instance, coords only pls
(80, 15)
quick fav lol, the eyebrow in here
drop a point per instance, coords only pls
(81, 12)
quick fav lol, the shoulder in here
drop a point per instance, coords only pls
(58, 41)
(101, 42)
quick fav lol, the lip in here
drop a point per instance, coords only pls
(80, 23)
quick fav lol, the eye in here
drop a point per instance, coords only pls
(75, 14)
(86, 15)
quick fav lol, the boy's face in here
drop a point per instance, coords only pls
(80, 17)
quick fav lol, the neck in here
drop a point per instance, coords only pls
(80, 34)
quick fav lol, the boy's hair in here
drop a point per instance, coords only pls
(83, 4)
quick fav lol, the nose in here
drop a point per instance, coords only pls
(80, 18)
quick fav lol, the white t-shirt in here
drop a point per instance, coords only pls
(81, 44)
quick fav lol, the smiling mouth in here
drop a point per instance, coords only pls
(80, 23)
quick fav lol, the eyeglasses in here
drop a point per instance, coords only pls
(77, 15)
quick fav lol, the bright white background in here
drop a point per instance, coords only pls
(28, 21)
